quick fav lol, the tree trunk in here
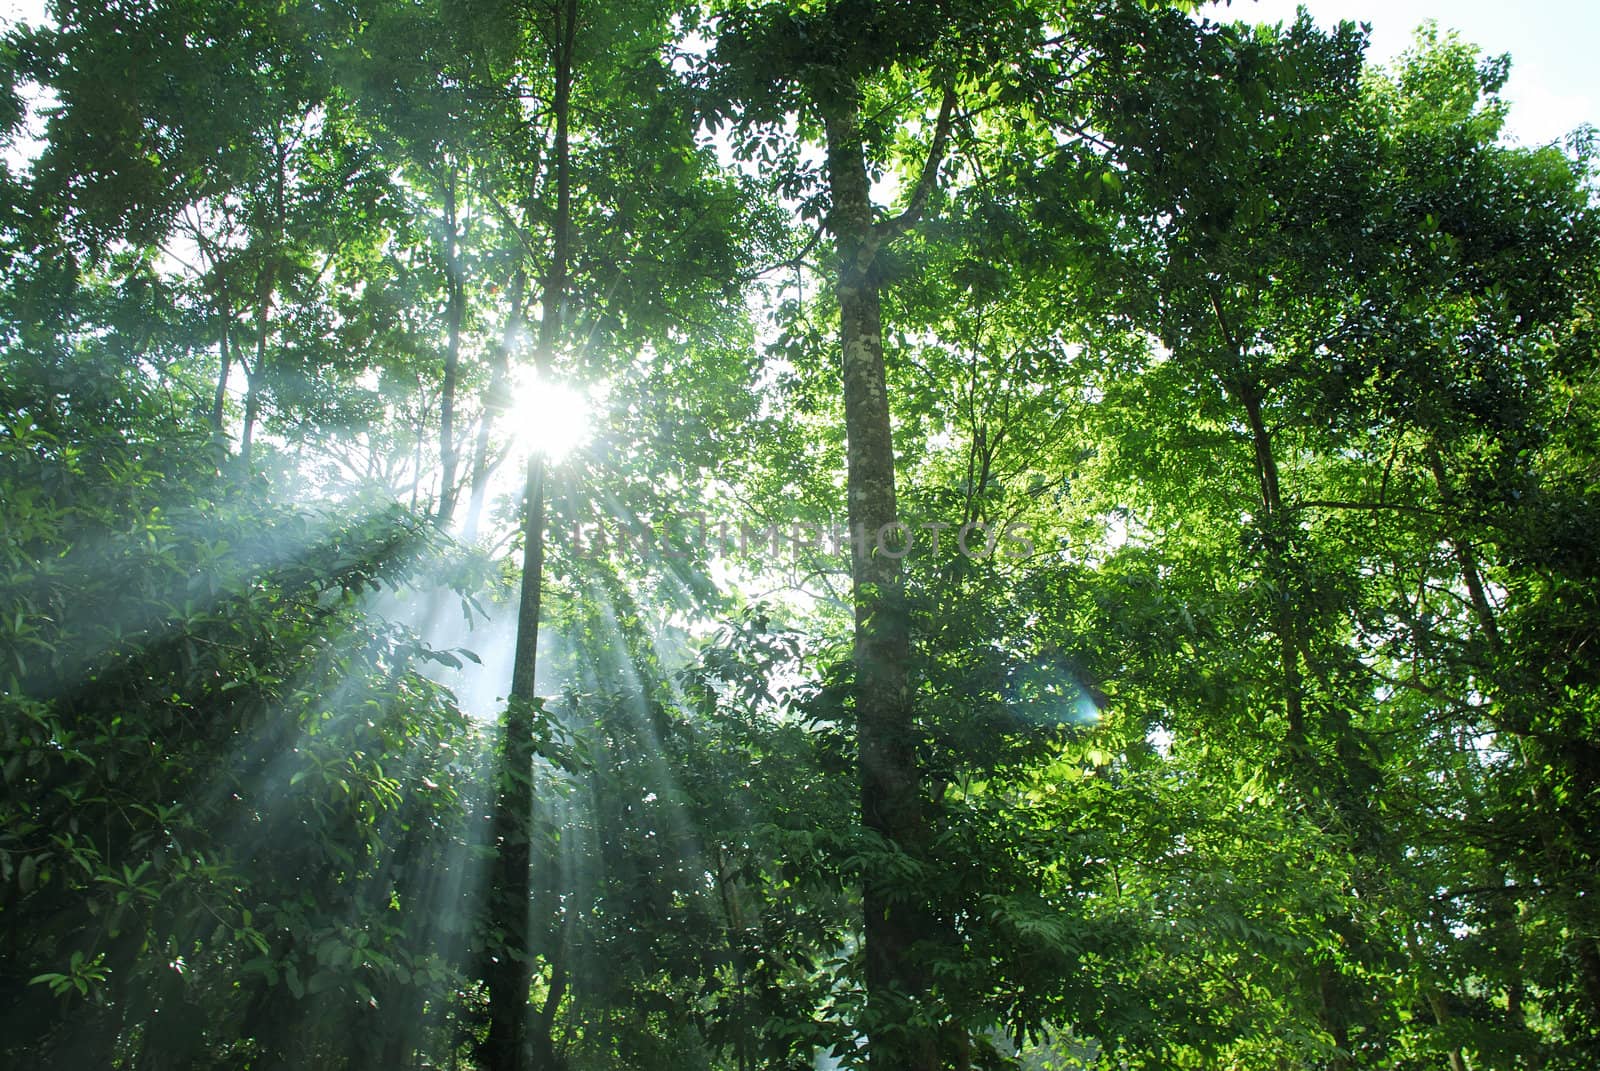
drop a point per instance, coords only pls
(1441, 1016)
(510, 973)
(1518, 724)
(253, 374)
(224, 363)
(510, 968)
(266, 291)
(543, 1034)
(1274, 532)
(890, 782)
(252, 411)
(1312, 779)
(454, 312)
(1466, 556)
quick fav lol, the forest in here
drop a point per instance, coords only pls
(791, 535)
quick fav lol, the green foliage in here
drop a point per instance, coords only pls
(206, 741)
(1267, 737)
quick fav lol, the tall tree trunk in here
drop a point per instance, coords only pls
(510, 968)
(455, 290)
(1332, 989)
(1313, 779)
(1274, 526)
(510, 973)
(890, 781)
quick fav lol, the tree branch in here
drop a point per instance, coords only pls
(534, 255)
(796, 261)
(892, 228)
(1397, 507)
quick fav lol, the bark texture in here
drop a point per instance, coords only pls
(892, 804)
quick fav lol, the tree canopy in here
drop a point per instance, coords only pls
(587, 534)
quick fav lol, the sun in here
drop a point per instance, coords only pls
(548, 417)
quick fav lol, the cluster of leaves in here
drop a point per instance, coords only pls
(225, 783)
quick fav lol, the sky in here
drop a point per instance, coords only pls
(1555, 79)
